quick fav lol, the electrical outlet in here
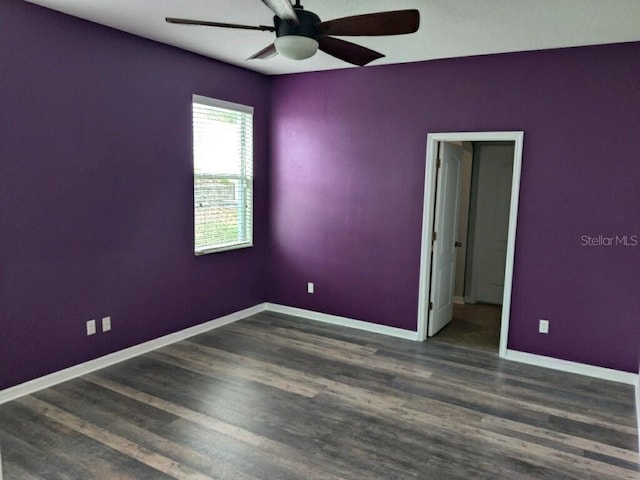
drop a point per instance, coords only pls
(106, 324)
(91, 327)
(543, 326)
(310, 287)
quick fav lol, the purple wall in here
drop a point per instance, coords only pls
(347, 180)
(96, 191)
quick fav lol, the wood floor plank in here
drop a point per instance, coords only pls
(116, 442)
(67, 446)
(18, 473)
(152, 437)
(205, 420)
(479, 395)
(473, 432)
(281, 452)
(285, 454)
(369, 361)
(293, 359)
(278, 397)
(208, 359)
(574, 441)
(548, 391)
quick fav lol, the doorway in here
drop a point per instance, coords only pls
(443, 178)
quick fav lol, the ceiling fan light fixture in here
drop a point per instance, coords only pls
(296, 47)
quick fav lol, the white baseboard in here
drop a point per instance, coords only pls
(75, 371)
(637, 409)
(573, 367)
(458, 300)
(344, 321)
(55, 378)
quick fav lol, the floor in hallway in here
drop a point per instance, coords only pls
(474, 326)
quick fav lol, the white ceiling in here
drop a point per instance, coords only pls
(449, 28)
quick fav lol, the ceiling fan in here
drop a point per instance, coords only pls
(300, 33)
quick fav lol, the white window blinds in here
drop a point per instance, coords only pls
(222, 175)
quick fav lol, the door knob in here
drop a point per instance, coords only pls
(458, 244)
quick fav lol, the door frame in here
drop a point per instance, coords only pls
(428, 218)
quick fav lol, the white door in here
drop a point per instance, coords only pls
(443, 264)
(495, 169)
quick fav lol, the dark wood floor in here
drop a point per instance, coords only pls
(276, 397)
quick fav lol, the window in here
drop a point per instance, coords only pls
(222, 175)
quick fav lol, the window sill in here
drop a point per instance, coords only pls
(223, 248)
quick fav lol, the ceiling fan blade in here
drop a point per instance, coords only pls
(373, 24)
(283, 9)
(265, 53)
(184, 21)
(347, 51)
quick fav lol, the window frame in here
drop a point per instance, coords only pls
(245, 179)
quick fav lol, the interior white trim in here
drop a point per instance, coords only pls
(55, 378)
(573, 367)
(343, 321)
(637, 407)
(214, 102)
(60, 376)
(427, 222)
(458, 300)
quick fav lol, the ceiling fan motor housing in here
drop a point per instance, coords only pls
(306, 28)
(297, 41)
